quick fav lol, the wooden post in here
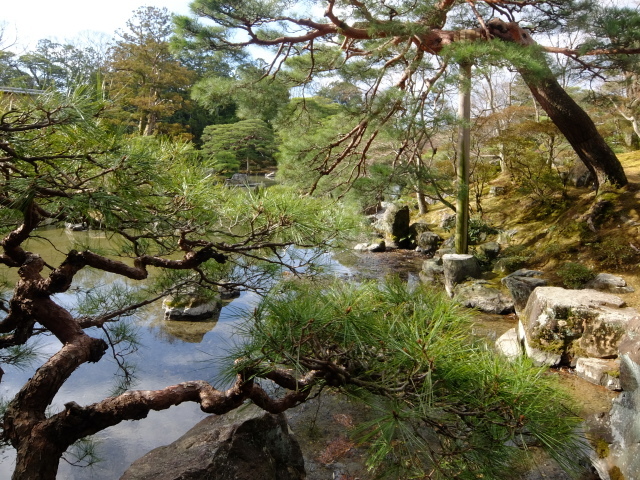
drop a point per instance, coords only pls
(464, 151)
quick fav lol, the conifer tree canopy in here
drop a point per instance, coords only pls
(398, 46)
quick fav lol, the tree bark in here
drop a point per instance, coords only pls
(574, 123)
(464, 152)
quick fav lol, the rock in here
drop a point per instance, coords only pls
(509, 345)
(507, 265)
(228, 293)
(491, 250)
(458, 267)
(520, 284)
(246, 444)
(605, 373)
(573, 323)
(624, 452)
(496, 191)
(419, 227)
(394, 225)
(76, 227)
(538, 356)
(481, 296)
(428, 242)
(624, 417)
(441, 252)
(432, 271)
(448, 221)
(629, 352)
(606, 282)
(579, 176)
(191, 308)
(433, 267)
(371, 247)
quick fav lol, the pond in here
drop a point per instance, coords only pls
(173, 352)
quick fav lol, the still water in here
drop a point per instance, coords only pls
(173, 352)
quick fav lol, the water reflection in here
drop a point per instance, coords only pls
(190, 332)
(177, 351)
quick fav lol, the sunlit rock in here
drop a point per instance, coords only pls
(558, 326)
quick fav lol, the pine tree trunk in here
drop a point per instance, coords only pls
(576, 126)
(38, 458)
(464, 149)
(566, 114)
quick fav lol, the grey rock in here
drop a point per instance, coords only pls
(419, 227)
(448, 221)
(433, 267)
(606, 282)
(507, 265)
(377, 247)
(508, 345)
(629, 351)
(520, 284)
(569, 323)
(483, 297)
(246, 444)
(491, 250)
(191, 308)
(394, 225)
(496, 191)
(580, 176)
(598, 371)
(428, 241)
(458, 267)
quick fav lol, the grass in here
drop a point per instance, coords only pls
(555, 232)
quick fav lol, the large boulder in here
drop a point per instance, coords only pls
(394, 225)
(246, 444)
(606, 282)
(520, 284)
(625, 412)
(428, 242)
(557, 326)
(191, 308)
(457, 268)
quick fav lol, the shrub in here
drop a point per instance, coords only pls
(442, 401)
(615, 252)
(575, 275)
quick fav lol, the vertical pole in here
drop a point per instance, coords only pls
(464, 152)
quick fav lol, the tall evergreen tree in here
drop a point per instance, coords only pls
(145, 80)
(390, 42)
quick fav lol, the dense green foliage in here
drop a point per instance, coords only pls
(248, 145)
(442, 403)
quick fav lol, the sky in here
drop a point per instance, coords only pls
(27, 21)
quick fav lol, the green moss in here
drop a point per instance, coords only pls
(575, 275)
(616, 474)
(602, 448)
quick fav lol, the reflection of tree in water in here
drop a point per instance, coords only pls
(184, 330)
(404, 264)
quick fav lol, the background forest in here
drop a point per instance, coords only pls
(351, 104)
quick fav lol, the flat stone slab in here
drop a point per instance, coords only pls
(598, 371)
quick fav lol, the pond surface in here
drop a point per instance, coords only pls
(173, 352)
